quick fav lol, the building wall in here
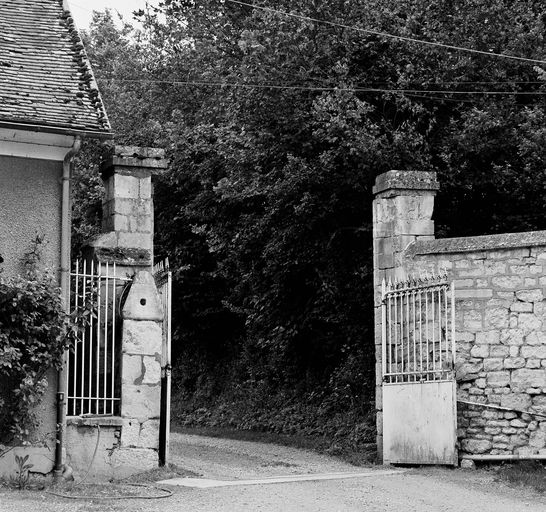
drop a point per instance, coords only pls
(500, 284)
(30, 205)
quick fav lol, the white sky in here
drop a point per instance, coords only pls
(82, 9)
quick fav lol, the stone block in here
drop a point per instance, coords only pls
(141, 337)
(145, 191)
(489, 337)
(527, 378)
(472, 321)
(131, 369)
(468, 464)
(493, 364)
(514, 350)
(514, 362)
(535, 338)
(498, 379)
(507, 282)
(499, 351)
(143, 301)
(474, 294)
(138, 434)
(461, 284)
(135, 240)
(530, 295)
(521, 307)
(125, 186)
(496, 317)
(476, 445)
(517, 401)
(494, 267)
(468, 371)
(152, 370)
(480, 351)
(140, 401)
(529, 322)
(518, 440)
(463, 336)
(532, 363)
(534, 352)
(512, 336)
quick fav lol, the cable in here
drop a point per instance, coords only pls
(320, 89)
(386, 34)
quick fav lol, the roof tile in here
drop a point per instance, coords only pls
(45, 76)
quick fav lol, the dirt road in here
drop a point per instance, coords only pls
(220, 461)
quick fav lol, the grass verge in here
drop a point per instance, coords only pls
(524, 473)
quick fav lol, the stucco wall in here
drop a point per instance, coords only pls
(30, 205)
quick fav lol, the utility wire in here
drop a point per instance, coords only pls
(386, 34)
(322, 89)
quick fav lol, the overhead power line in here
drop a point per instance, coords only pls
(321, 89)
(386, 34)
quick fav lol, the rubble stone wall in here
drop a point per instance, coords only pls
(500, 337)
(500, 283)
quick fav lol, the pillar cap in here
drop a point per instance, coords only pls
(406, 180)
(133, 160)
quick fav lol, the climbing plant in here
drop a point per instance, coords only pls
(34, 334)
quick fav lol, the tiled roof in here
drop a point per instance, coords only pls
(45, 76)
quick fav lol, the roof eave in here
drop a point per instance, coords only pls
(85, 134)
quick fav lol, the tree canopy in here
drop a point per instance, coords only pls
(276, 127)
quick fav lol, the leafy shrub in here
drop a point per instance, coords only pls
(34, 333)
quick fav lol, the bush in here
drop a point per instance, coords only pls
(34, 334)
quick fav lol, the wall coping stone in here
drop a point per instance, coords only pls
(93, 421)
(134, 160)
(406, 180)
(478, 243)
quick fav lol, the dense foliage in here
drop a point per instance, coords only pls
(276, 127)
(34, 334)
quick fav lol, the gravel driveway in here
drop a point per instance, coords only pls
(414, 490)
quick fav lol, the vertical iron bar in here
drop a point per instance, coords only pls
(105, 376)
(383, 329)
(75, 352)
(414, 293)
(93, 282)
(389, 314)
(433, 333)
(395, 335)
(420, 333)
(453, 345)
(97, 369)
(408, 366)
(446, 333)
(427, 339)
(112, 389)
(83, 332)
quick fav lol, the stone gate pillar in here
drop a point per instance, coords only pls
(128, 441)
(402, 213)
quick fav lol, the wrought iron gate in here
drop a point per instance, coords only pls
(93, 386)
(418, 355)
(163, 280)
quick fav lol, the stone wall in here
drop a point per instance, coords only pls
(500, 317)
